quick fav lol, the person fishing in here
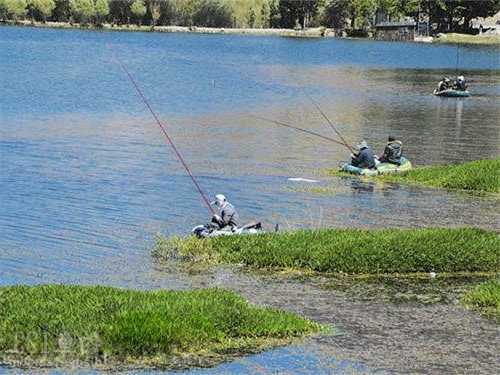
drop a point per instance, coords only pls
(460, 83)
(392, 152)
(227, 215)
(444, 84)
(364, 158)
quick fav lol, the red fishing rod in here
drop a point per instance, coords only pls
(164, 131)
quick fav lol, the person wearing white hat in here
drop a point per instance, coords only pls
(460, 83)
(227, 214)
(365, 158)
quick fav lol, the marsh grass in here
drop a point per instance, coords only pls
(476, 176)
(57, 324)
(480, 176)
(356, 251)
(485, 298)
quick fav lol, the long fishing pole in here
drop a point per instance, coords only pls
(328, 121)
(164, 131)
(310, 132)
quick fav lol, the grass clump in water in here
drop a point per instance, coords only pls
(357, 251)
(485, 298)
(56, 324)
(476, 176)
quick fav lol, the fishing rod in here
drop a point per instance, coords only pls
(310, 132)
(164, 131)
(328, 121)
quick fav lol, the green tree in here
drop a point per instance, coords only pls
(41, 9)
(138, 10)
(82, 10)
(297, 12)
(101, 8)
(15, 9)
(62, 11)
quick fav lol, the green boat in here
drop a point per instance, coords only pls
(381, 168)
(451, 93)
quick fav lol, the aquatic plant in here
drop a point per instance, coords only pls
(477, 176)
(485, 298)
(358, 251)
(56, 324)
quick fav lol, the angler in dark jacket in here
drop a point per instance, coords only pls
(392, 152)
(365, 157)
(227, 214)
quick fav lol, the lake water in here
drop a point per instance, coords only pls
(86, 179)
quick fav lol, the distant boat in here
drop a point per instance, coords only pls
(451, 93)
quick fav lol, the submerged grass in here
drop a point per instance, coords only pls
(353, 251)
(485, 298)
(56, 324)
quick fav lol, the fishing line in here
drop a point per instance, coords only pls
(328, 121)
(310, 132)
(164, 131)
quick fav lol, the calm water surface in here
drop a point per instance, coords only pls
(86, 179)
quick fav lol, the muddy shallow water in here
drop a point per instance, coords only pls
(86, 180)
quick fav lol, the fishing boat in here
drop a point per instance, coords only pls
(380, 168)
(206, 231)
(451, 93)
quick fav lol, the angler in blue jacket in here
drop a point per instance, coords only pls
(365, 158)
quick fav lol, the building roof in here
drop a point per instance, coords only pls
(406, 23)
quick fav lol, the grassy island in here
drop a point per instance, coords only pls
(485, 298)
(480, 176)
(110, 328)
(476, 176)
(350, 251)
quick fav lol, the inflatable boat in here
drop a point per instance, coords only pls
(207, 230)
(450, 93)
(380, 168)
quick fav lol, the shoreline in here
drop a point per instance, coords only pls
(318, 32)
(315, 32)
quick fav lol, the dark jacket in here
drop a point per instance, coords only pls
(228, 216)
(392, 153)
(364, 159)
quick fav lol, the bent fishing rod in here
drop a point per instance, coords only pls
(310, 132)
(163, 129)
(328, 121)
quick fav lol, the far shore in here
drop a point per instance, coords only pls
(316, 32)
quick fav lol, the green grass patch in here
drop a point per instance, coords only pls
(57, 324)
(480, 176)
(475, 176)
(356, 251)
(468, 39)
(485, 298)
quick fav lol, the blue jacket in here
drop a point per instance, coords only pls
(364, 159)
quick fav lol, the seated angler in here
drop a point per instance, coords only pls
(460, 83)
(392, 152)
(364, 158)
(444, 84)
(227, 214)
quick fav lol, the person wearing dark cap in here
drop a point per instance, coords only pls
(392, 152)
(364, 158)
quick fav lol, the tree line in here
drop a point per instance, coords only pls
(443, 15)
